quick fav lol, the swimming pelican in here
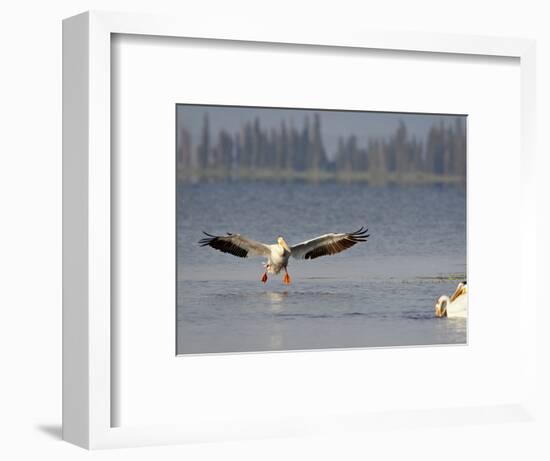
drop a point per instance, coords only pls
(456, 306)
(278, 254)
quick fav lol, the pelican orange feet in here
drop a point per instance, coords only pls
(264, 277)
(286, 279)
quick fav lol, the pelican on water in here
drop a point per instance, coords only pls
(456, 306)
(278, 254)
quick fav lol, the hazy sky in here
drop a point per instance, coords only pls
(333, 123)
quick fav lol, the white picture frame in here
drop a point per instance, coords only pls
(88, 363)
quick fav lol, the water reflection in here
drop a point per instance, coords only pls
(276, 340)
(276, 300)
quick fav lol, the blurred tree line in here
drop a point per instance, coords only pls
(290, 153)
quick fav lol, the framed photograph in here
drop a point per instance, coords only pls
(268, 232)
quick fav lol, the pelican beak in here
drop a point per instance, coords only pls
(460, 290)
(284, 245)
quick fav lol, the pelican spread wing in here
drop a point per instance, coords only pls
(328, 244)
(278, 254)
(235, 244)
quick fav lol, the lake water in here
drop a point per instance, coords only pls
(378, 293)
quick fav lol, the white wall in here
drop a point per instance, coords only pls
(30, 235)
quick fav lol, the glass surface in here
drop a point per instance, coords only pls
(299, 174)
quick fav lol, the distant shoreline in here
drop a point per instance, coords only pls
(273, 175)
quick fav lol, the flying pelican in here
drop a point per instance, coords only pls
(278, 254)
(456, 306)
